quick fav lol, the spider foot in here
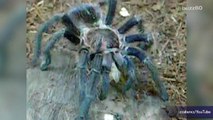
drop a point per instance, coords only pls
(164, 95)
(84, 108)
(44, 67)
(155, 75)
(141, 55)
(45, 63)
(34, 62)
(103, 95)
(106, 68)
(130, 73)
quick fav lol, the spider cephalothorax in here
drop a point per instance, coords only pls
(101, 39)
(101, 45)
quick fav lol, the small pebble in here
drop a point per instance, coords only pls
(124, 12)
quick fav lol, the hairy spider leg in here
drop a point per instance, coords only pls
(47, 56)
(106, 68)
(71, 37)
(131, 74)
(137, 38)
(55, 38)
(72, 31)
(147, 44)
(136, 20)
(111, 11)
(141, 55)
(85, 15)
(38, 38)
(145, 38)
(124, 64)
(91, 86)
(82, 65)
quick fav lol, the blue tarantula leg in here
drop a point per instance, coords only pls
(71, 37)
(138, 38)
(130, 73)
(82, 65)
(38, 38)
(91, 86)
(71, 28)
(152, 68)
(47, 56)
(145, 40)
(129, 24)
(125, 65)
(106, 67)
(111, 11)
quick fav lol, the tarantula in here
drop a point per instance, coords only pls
(101, 45)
